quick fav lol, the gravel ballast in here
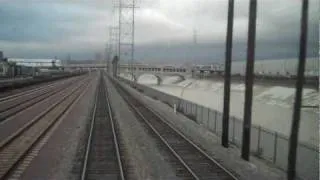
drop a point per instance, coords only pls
(147, 160)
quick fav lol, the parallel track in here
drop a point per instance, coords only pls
(36, 88)
(12, 106)
(102, 157)
(191, 157)
(16, 146)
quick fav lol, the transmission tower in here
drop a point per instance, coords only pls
(195, 37)
(126, 21)
(112, 45)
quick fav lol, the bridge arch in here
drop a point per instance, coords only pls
(181, 76)
(159, 78)
(128, 76)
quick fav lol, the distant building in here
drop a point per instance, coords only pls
(43, 63)
(4, 68)
(7, 69)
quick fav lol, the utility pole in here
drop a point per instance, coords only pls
(119, 34)
(299, 88)
(113, 43)
(245, 151)
(195, 46)
(227, 77)
(195, 37)
(107, 55)
(132, 45)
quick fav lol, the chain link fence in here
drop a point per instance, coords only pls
(265, 144)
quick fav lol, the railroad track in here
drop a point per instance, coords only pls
(14, 148)
(102, 157)
(195, 163)
(14, 105)
(36, 88)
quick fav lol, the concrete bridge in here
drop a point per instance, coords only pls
(137, 70)
(159, 71)
(85, 66)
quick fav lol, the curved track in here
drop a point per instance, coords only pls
(15, 147)
(196, 163)
(102, 158)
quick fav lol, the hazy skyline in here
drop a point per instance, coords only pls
(164, 29)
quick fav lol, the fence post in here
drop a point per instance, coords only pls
(275, 147)
(259, 136)
(233, 130)
(201, 113)
(197, 112)
(185, 110)
(215, 122)
(192, 108)
(187, 107)
(208, 118)
(182, 105)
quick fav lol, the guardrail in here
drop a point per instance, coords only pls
(265, 144)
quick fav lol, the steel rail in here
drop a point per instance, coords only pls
(9, 142)
(30, 91)
(85, 168)
(148, 122)
(115, 139)
(86, 157)
(25, 104)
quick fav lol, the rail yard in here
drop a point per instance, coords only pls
(93, 126)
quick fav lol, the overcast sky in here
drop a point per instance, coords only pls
(164, 29)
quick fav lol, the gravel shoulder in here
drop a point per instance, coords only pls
(229, 158)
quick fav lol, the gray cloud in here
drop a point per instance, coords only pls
(46, 28)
